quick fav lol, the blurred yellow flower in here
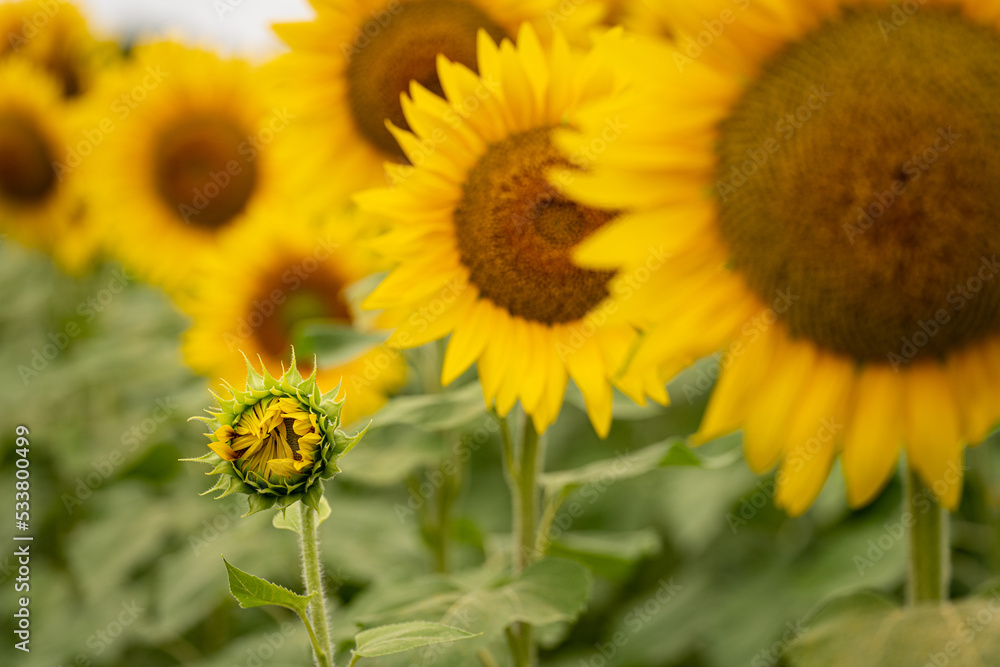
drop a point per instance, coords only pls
(40, 203)
(189, 150)
(54, 36)
(484, 239)
(268, 277)
(824, 174)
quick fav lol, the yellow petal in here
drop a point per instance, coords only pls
(871, 446)
(933, 439)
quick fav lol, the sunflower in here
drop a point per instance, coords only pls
(40, 204)
(190, 145)
(824, 176)
(483, 239)
(263, 282)
(53, 35)
(349, 66)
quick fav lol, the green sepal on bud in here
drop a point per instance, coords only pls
(276, 441)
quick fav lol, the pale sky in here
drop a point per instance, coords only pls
(228, 26)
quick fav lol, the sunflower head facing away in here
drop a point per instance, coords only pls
(484, 237)
(276, 441)
(827, 188)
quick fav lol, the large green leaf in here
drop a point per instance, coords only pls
(399, 637)
(867, 631)
(251, 591)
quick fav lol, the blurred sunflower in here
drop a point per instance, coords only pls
(40, 204)
(483, 238)
(287, 276)
(349, 66)
(191, 150)
(824, 174)
(54, 36)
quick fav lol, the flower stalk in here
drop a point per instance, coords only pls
(928, 549)
(523, 469)
(312, 574)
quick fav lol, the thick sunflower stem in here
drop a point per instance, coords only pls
(312, 572)
(929, 553)
(523, 472)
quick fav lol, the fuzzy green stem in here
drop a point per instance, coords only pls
(526, 503)
(929, 553)
(523, 468)
(312, 572)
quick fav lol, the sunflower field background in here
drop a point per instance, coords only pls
(168, 207)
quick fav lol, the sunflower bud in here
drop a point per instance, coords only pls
(276, 441)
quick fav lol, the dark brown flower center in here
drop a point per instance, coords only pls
(302, 290)
(27, 175)
(859, 175)
(403, 47)
(204, 170)
(516, 233)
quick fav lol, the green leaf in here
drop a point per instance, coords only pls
(867, 631)
(251, 591)
(293, 521)
(626, 465)
(450, 409)
(549, 591)
(389, 639)
(344, 443)
(333, 344)
(608, 554)
(257, 502)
